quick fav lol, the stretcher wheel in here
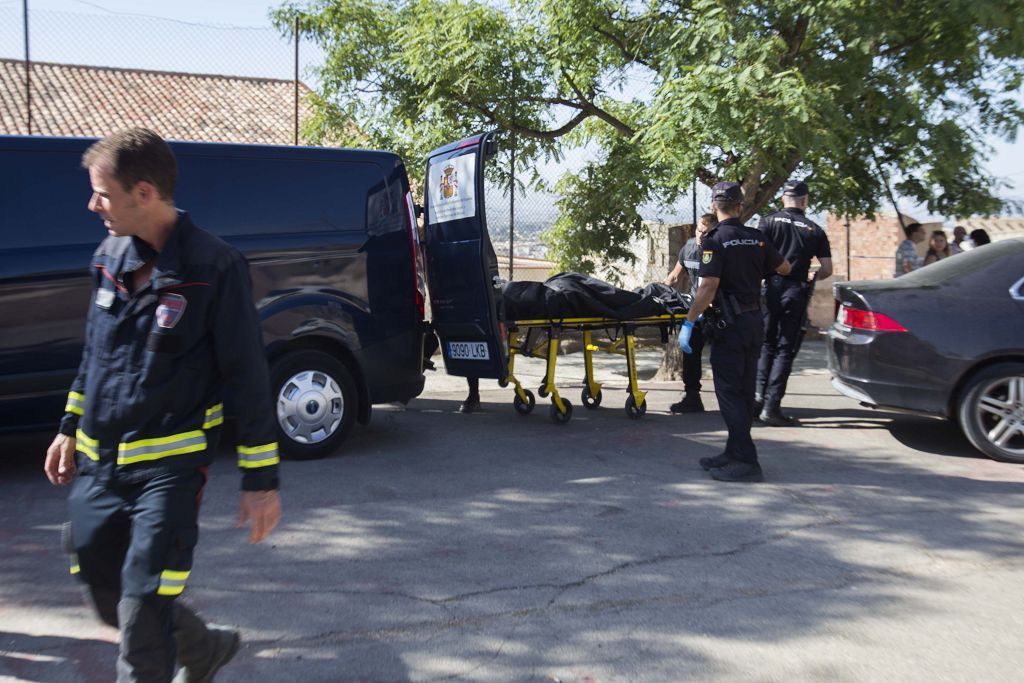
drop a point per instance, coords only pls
(502, 383)
(541, 391)
(589, 401)
(524, 408)
(634, 411)
(557, 416)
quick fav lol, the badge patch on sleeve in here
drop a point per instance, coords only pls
(170, 310)
(706, 258)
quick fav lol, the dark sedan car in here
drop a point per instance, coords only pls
(946, 340)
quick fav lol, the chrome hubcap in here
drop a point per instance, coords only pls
(1000, 412)
(310, 406)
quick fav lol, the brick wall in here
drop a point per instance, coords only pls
(873, 246)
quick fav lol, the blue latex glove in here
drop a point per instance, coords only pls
(685, 332)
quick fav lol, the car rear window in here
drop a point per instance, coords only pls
(962, 265)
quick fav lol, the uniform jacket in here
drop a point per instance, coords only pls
(797, 238)
(147, 398)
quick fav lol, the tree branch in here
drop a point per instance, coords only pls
(621, 44)
(593, 109)
(523, 130)
(767, 188)
(795, 39)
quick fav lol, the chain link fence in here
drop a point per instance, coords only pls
(93, 73)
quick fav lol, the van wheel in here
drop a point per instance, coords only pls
(991, 411)
(316, 402)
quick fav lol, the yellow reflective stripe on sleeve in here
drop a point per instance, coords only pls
(75, 404)
(214, 416)
(86, 445)
(162, 447)
(251, 457)
(74, 564)
(172, 582)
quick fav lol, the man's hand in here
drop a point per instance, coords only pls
(263, 508)
(60, 460)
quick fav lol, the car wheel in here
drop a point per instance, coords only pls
(991, 411)
(316, 403)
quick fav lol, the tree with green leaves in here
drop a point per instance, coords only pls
(844, 93)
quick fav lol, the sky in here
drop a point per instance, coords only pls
(236, 37)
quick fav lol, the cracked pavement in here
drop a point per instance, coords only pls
(493, 547)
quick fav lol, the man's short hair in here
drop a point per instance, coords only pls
(910, 228)
(708, 219)
(136, 154)
(728, 206)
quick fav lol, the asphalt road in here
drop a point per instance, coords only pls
(494, 547)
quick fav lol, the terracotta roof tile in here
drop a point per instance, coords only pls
(94, 101)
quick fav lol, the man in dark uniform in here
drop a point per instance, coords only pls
(689, 260)
(734, 260)
(171, 322)
(787, 297)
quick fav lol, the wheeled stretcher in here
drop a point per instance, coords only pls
(541, 339)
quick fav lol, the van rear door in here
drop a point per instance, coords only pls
(462, 270)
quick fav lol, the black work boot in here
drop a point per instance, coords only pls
(720, 460)
(738, 471)
(471, 404)
(773, 417)
(691, 403)
(202, 648)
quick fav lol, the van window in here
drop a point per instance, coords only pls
(235, 196)
(44, 198)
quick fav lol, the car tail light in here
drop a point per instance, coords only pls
(417, 261)
(867, 320)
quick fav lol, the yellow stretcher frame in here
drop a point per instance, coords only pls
(623, 344)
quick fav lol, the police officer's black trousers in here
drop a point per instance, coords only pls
(785, 307)
(734, 366)
(132, 547)
(692, 362)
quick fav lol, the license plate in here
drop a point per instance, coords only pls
(468, 351)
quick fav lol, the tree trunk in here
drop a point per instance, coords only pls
(671, 369)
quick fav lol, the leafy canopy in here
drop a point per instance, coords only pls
(843, 93)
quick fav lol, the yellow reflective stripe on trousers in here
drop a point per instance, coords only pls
(214, 416)
(86, 445)
(75, 404)
(172, 582)
(258, 456)
(74, 564)
(162, 447)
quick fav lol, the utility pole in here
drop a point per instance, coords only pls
(28, 67)
(296, 142)
(512, 182)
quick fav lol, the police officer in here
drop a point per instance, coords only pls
(170, 322)
(734, 260)
(787, 297)
(689, 260)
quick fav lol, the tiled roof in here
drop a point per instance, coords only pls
(94, 101)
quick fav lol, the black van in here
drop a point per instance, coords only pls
(331, 240)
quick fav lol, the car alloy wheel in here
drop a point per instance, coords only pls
(992, 411)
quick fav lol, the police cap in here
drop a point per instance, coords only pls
(794, 188)
(727, 191)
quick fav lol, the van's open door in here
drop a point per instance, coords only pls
(462, 270)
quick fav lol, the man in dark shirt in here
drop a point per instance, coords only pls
(734, 260)
(689, 260)
(799, 240)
